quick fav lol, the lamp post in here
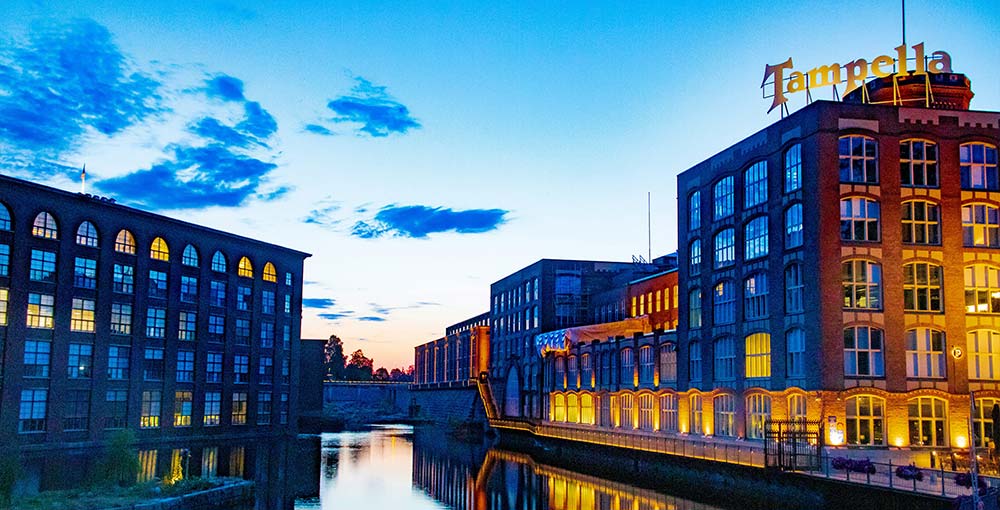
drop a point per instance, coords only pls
(973, 464)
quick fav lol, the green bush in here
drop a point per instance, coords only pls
(120, 465)
(10, 471)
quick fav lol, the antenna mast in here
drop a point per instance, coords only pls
(904, 22)
(649, 224)
(83, 179)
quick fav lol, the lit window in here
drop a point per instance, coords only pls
(793, 168)
(982, 289)
(863, 352)
(979, 166)
(668, 412)
(156, 322)
(723, 198)
(859, 219)
(219, 262)
(922, 287)
(694, 361)
(159, 250)
(45, 226)
(646, 412)
(981, 225)
(793, 226)
(795, 340)
(37, 355)
(4, 259)
(984, 354)
(40, 310)
(157, 284)
(794, 289)
(755, 296)
(187, 324)
(918, 163)
(758, 357)
(245, 268)
(185, 366)
(862, 284)
(694, 414)
(124, 279)
(797, 407)
(927, 419)
(4, 297)
(190, 256)
(43, 266)
(755, 184)
(982, 419)
(725, 415)
(150, 411)
(118, 361)
(239, 416)
(725, 359)
(625, 419)
(724, 303)
(758, 412)
(82, 316)
(125, 243)
(85, 273)
(858, 159)
(270, 274)
(922, 222)
(213, 408)
(865, 420)
(80, 362)
(121, 319)
(925, 353)
(695, 257)
(756, 238)
(31, 417)
(86, 235)
(694, 309)
(725, 248)
(694, 211)
(182, 408)
(4, 217)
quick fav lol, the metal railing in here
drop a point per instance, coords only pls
(933, 481)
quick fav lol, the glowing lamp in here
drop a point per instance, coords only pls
(836, 436)
(961, 442)
(899, 441)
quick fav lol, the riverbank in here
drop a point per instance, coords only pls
(191, 494)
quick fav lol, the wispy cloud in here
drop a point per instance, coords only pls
(378, 309)
(371, 107)
(324, 213)
(372, 318)
(225, 87)
(318, 303)
(417, 221)
(335, 316)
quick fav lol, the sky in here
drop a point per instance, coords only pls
(421, 151)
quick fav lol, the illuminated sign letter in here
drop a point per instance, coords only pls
(796, 82)
(884, 60)
(853, 78)
(779, 78)
(823, 76)
(940, 62)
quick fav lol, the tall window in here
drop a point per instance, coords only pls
(189, 289)
(984, 354)
(41, 309)
(859, 219)
(722, 197)
(794, 289)
(80, 362)
(219, 262)
(117, 409)
(725, 359)
(758, 411)
(918, 163)
(4, 217)
(755, 184)
(159, 250)
(185, 366)
(979, 166)
(793, 168)
(725, 415)
(77, 410)
(37, 356)
(244, 299)
(121, 319)
(755, 296)
(982, 419)
(149, 417)
(795, 340)
(725, 248)
(865, 420)
(45, 226)
(758, 357)
(694, 309)
(182, 408)
(4, 259)
(921, 222)
(668, 412)
(922, 287)
(43, 266)
(694, 361)
(646, 364)
(85, 273)
(217, 294)
(156, 322)
(694, 414)
(264, 408)
(31, 417)
(245, 268)
(694, 210)
(927, 419)
(157, 284)
(265, 370)
(793, 226)
(86, 235)
(982, 289)
(213, 407)
(4, 297)
(213, 367)
(270, 274)
(862, 283)
(858, 159)
(216, 327)
(925, 353)
(571, 372)
(625, 419)
(586, 371)
(190, 256)
(118, 362)
(797, 407)
(239, 416)
(668, 363)
(756, 244)
(627, 376)
(981, 225)
(152, 364)
(724, 303)
(82, 315)
(645, 411)
(863, 355)
(124, 279)
(125, 242)
(695, 257)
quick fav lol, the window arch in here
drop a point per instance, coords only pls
(858, 159)
(755, 296)
(865, 420)
(587, 409)
(984, 354)
(755, 184)
(159, 250)
(219, 262)
(725, 358)
(981, 225)
(925, 353)
(758, 411)
(694, 211)
(190, 256)
(921, 222)
(724, 303)
(918, 162)
(572, 372)
(795, 340)
(859, 219)
(725, 415)
(755, 238)
(694, 308)
(559, 407)
(979, 166)
(560, 373)
(793, 168)
(245, 268)
(793, 226)
(863, 356)
(627, 376)
(86, 235)
(646, 364)
(758, 355)
(646, 411)
(125, 242)
(694, 257)
(922, 287)
(270, 274)
(927, 419)
(695, 417)
(668, 363)
(625, 419)
(572, 408)
(5, 221)
(797, 407)
(862, 283)
(794, 289)
(982, 289)
(725, 248)
(722, 196)
(45, 226)
(668, 412)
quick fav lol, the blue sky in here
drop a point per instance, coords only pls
(421, 151)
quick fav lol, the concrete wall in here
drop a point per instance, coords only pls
(459, 404)
(383, 397)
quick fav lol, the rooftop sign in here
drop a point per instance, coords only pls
(856, 72)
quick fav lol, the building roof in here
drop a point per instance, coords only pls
(652, 276)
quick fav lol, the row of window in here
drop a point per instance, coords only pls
(522, 294)
(579, 372)
(521, 320)
(34, 409)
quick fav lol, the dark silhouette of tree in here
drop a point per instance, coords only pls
(360, 367)
(333, 358)
(381, 374)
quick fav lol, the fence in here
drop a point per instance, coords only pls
(933, 481)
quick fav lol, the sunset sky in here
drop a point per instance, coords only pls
(421, 151)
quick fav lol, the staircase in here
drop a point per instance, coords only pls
(486, 395)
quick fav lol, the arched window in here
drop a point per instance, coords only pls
(190, 256)
(925, 353)
(795, 340)
(982, 289)
(159, 250)
(984, 354)
(794, 288)
(725, 415)
(981, 225)
(646, 364)
(796, 407)
(755, 296)
(586, 371)
(694, 211)
(979, 166)
(725, 248)
(559, 408)
(793, 168)
(587, 409)
(724, 303)
(86, 235)
(270, 274)
(755, 241)
(793, 226)
(245, 268)
(918, 163)
(862, 283)
(572, 408)
(646, 411)
(921, 222)
(45, 226)
(755, 184)
(219, 262)
(694, 361)
(859, 219)
(866, 420)
(5, 220)
(668, 363)
(627, 376)
(695, 420)
(722, 196)
(694, 258)
(560, 373)
(125, 242)
(758, 355)
(627, 402)
(694, 309)
(982, 420)
(858, 159)
(863, 356)
(927, 419)
(668, 412)
(922, 287)
(725, 359)
(758, 411)
(571, 373)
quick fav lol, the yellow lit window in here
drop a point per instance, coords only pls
(270, 274)
(634, 307)
(159, 250)
(245, 268)
(125, 243)
(758, 355)
(659, 300)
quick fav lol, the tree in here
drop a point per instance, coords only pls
(360, 367)
(333, 358)
(396, 375)
(120, 464)
(381, 374)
